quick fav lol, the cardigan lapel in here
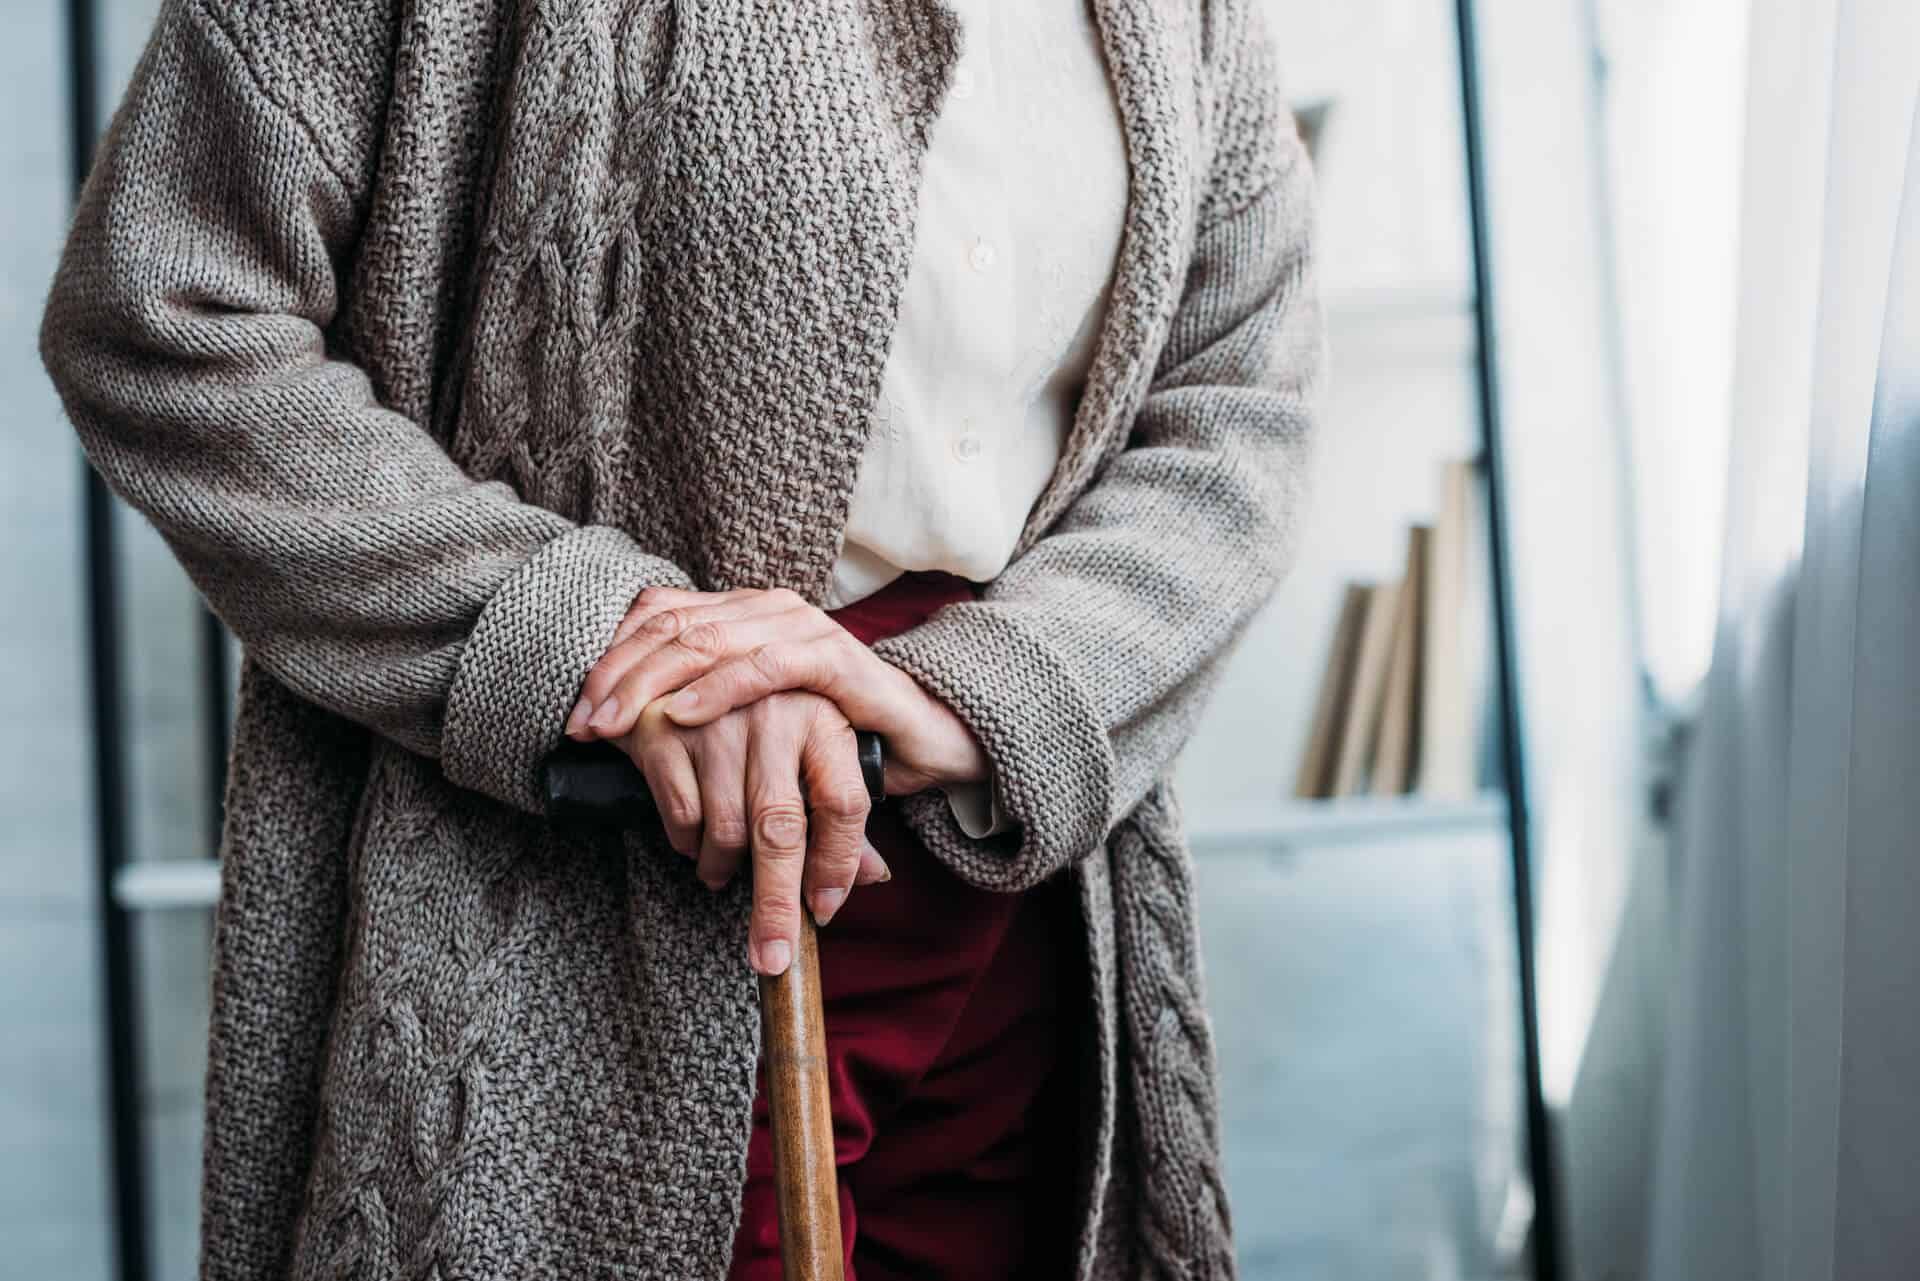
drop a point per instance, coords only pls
(1152, 62)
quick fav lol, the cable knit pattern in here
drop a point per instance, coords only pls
(1183, 1225)
(428, 332)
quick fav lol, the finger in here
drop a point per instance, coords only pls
(831, 662)
(778, 814)
(676, 791)
(699, 646)
(719, 762)
(653, 621)
(655, 601)
(837, 806)
(873, 868)
(652, 600)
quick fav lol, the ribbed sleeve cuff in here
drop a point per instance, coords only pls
(1052, 763)
(537, 638)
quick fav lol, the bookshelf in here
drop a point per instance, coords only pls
(1345, 820)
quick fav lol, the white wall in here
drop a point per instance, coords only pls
(1395, 270)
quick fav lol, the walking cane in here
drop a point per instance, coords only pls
(598, 783)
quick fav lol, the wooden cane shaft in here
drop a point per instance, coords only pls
(804, 1174)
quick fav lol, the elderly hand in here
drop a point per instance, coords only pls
(778, 780)
(716, 652)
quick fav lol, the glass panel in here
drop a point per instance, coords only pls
(1361, 949)
(52, 1143)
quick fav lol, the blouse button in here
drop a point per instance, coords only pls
(981, 255)
(967, 447)
(963, 83)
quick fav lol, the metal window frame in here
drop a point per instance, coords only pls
(1545, 1235)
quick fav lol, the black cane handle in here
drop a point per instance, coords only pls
(598, 783)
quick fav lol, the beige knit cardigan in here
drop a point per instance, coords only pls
(428, 332)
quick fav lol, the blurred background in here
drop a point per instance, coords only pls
(1435, 804)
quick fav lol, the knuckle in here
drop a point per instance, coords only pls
(726, 832)
(846, 801)
(837, 871)
(829, 723)
(704, 639)
(846, 644)
(665, 623)
(777, 911)
(782, 710)
(781, 829)
(680, 811)
(769, 660)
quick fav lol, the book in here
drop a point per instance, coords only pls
(1395, 743)
(1360, 718)
(1456, 640)
(1315, 776)
(1310, 118)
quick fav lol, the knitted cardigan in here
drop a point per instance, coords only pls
(428, 332)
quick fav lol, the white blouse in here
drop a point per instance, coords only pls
(1022, 198)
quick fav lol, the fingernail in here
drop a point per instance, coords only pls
(605, 717)
(682, 703)
(886, 873)
(774, 957)
(577, 721)
(826, 903)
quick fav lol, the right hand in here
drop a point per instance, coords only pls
(777, 781)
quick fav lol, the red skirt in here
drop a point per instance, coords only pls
(952, 1017)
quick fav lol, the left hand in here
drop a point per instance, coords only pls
(724, 650)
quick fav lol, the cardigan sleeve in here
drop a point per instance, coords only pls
(1085, 664)
(186, 333)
